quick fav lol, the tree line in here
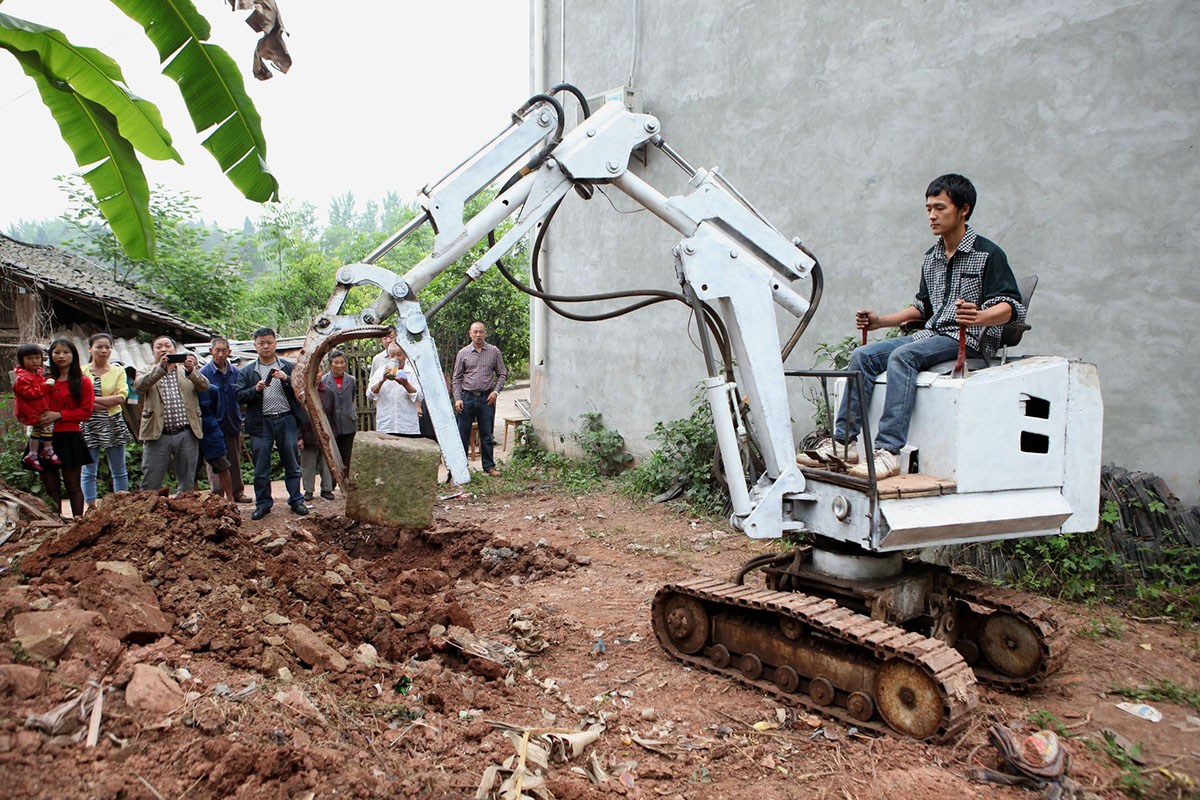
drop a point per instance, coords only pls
(279, 270)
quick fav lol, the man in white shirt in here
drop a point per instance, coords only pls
(397, 395)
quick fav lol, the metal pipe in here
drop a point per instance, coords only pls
(672, 154)
(397, 237)
(476, 228)
(717, 393)
(656, 202)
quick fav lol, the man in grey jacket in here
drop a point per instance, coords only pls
(338, 391)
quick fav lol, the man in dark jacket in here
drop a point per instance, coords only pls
(264, 389)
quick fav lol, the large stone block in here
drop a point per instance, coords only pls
(393, 480)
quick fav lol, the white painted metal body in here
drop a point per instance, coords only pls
(1020, 442)
(738, 264)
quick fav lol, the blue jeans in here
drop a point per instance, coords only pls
(280, 433)
(476, 409)
(902, 358)
(116, 465)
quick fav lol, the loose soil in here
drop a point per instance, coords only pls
(438, 606)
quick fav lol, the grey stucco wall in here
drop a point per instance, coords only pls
(1076, 120)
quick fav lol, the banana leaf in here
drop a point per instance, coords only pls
(94, 76)
(213, 90)
(93, 134)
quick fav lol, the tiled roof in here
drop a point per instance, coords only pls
(57, 272)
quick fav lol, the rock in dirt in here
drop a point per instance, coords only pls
(152, 691)
(393, 481)
(46, 634)
(119, 567)
(20, 681)
(129, 606)
(366, 655)
(312, 649)
(13, 601)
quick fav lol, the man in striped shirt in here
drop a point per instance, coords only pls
(479, 376)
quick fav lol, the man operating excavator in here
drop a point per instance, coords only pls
(965, 281)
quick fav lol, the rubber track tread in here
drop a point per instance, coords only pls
(950, 674)
(1037, 613)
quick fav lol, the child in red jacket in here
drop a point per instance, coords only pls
(32, 392)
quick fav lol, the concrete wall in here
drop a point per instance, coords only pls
(1076, 119)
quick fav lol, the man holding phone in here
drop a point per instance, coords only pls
(171, 426)
(272, 416)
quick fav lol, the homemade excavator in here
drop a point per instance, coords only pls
(846, 625)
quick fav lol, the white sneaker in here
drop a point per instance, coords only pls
(825, 453)
(886, 465)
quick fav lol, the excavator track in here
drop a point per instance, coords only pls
(1022, 639)
(811, 652)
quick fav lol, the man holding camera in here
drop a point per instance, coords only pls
(272, 421)
(171, 425)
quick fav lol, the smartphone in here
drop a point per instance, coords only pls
(270, 375)
(176, 358)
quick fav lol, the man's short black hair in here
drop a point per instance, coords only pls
(154, 341)
(960, 190)
(258, 334)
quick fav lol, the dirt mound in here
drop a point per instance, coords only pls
(178, 582)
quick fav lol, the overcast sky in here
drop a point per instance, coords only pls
(381, 96)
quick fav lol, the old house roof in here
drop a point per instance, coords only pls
(91, 289)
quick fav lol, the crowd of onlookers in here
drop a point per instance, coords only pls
(191, 417)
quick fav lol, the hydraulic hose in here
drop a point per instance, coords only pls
(573, 89)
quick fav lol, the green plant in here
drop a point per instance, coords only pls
(18, 653)
(1133, 779)
(1109, 626)
(1045, 720)
(683, 460)
(603, 449)
(1164, 690)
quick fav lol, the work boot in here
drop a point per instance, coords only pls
(886, 465)
(826, 452)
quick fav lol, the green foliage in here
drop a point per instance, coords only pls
(1045, 720)
(12, 444)
(1085, 567)
(197, 277)
(1167, 691)
(106, 125)
(603, 449)
(532, 461)
(684, 458)
(1107, 627)
(1133, 780)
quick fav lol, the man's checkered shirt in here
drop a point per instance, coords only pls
(979, 273)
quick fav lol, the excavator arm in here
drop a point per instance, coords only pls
(733, 266)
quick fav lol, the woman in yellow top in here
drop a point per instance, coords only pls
(106, 429)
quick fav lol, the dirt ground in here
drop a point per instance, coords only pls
(528, 610)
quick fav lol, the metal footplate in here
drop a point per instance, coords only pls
(1011, 640)
(814, 653)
